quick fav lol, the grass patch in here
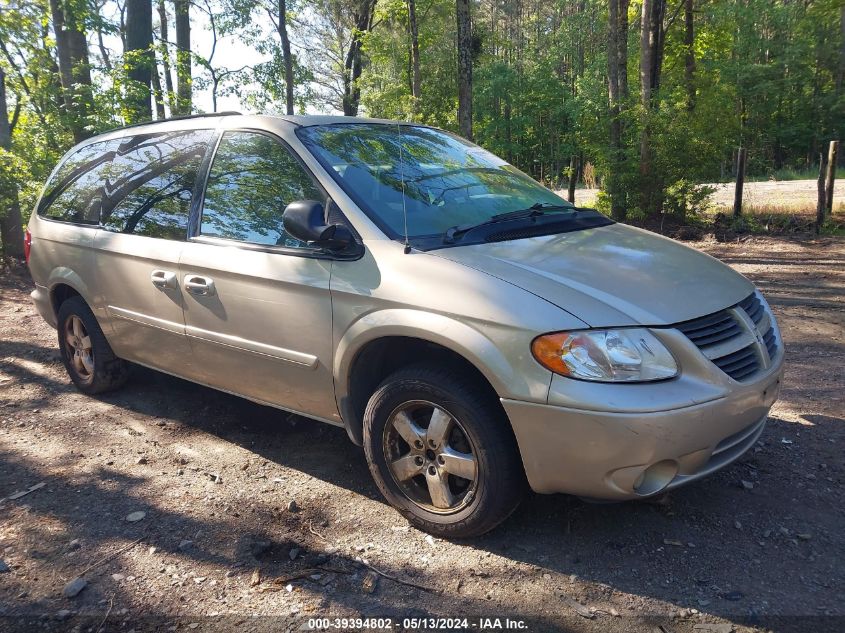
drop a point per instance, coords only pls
(789, 173)
(777, 219)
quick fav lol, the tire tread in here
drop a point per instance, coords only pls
(110, 371)
(500, 498)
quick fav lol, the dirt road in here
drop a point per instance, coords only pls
(782, 196)
(246, 511)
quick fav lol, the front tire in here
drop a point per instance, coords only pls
(86, 354)
(442, 452)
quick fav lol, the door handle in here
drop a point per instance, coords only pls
(198, 285)
(163, 279)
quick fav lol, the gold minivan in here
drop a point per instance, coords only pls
(470, 329)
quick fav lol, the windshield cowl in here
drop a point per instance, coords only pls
(517, 228)
(535, 210)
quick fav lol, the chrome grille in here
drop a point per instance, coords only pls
(753, 307)
(738, 346)
(711, 329)
(740, 364)
(771, 342)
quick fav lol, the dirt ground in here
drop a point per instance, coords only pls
(784, 196)
(250, 512)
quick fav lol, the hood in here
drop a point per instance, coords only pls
(611, 276)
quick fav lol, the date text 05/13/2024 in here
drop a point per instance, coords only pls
(418, 624)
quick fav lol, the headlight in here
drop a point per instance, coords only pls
(629, 355)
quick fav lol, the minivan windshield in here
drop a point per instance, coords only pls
(440, 181)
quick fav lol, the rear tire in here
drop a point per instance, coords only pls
(442, 452)
(86, 354)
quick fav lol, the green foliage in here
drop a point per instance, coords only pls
(833, 228)
(11, 167)
(261, 87)
(386, 85)
(602, 203)
(765, 78)
(684, 199)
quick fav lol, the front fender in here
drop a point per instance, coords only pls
(435, 328)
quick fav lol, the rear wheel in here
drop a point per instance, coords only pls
(86, 354)
(442, 452)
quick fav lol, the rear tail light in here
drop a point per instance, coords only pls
(27, 245)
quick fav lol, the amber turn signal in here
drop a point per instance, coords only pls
(547, 350)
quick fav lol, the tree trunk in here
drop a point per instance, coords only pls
(165, 54)
(11, 231)
(617, 63)
(646, 53)
(840, 75)
(140, 59)
(622, 52)
(74, 68)
(416, 80)
(122, 25)
(658, 37)
(509, 130)
(104, 53)
(689, 45)
(832, 161)
(158, 95)
(184, 103)
(821, 205)
(353, 64)
(651, 35)
(464, 68)
(288, 61)
(740, 180)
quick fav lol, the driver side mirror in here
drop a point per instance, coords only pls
(306, 220)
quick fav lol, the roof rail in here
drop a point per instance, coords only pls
(201, 115)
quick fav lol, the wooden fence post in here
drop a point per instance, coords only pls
(821, 205)
(573, 176)
(740, 180)
(831, 175)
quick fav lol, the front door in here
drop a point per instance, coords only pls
(257, 307)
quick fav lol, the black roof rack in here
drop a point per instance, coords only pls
(182, 117)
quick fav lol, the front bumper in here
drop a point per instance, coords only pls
(619, 455)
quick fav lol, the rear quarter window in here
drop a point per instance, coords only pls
(74, 193)
(150, 183)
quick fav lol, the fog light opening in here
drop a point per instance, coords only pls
(656, 477)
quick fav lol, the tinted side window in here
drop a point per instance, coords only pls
(75, 191)
(151, 181)
(252, 179)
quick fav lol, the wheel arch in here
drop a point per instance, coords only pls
(380, 343)
(61, 292)
(64, 283)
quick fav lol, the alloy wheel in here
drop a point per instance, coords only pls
(78, 347)
(430, 457)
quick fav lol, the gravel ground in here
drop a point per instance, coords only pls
(244, 511)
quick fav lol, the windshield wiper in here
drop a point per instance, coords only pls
(535, 210)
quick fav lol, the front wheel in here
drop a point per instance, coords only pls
(441, 452)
